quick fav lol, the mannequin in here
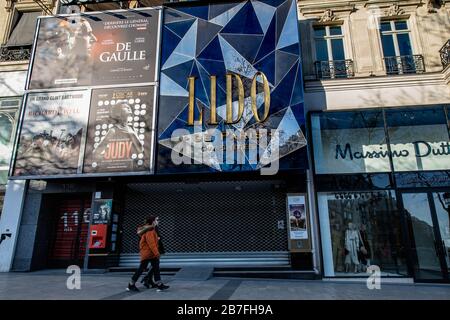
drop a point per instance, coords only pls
(337, 238)
(352, 244)
(364, 243)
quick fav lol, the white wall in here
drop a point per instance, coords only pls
(12, 83)
(395, 91)
(10, 221)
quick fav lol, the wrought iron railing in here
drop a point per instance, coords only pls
(334, 69)
(445, 54)
(404, 64)
(8, 54)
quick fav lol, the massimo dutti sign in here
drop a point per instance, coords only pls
(365, 150)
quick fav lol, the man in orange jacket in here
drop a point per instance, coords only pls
(149, 252)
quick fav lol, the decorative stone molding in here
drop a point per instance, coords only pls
(328, 16)
(394, 10)
(9, 5)
(321, 10)
(430, 6)
(434, 5)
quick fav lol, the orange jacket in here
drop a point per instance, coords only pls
(148, 245)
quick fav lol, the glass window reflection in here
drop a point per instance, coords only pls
(349, 142)
(429, 150)
(361, 229)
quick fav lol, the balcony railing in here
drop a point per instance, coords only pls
(8, 54)
(445, 54)
(404, 64)
(334, 69)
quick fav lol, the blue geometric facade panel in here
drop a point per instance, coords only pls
(264, 13)
(244, 22)
(180, 28)
(241, 40)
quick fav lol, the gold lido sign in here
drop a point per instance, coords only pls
(229, 99)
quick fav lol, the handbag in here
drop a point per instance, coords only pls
(363, 250)
(161, 247)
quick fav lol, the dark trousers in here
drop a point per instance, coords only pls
(153, 273)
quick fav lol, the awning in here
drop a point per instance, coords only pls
(23, 32)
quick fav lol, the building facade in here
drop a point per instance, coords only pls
(376, 90)
(18, 19)
(364, 176)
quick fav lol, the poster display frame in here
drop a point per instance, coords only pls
(296, 245)
(152, 134)
(83, 146)
(81, 14)
(89, 89)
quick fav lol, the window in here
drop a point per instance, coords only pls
(397, 49)
(18, 45)
(359, 229)
(447, 111)
(419, 139)
(22, 29)
(357, 141)
(329, 43)
(349, 142)
(2, 200)
(8, 115)
(330, 54)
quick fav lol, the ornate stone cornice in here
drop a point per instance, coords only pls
(434, 5)
(328, 16)
(327, 13)
(394, 10)
(9, 5)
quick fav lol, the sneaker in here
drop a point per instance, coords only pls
(149, 285)
(132, 287)
(162, 287)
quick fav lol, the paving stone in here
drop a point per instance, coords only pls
(50, 285)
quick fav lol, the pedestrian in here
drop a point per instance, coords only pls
(149, 253)
(148, 280)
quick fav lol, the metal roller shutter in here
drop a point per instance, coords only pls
(226, 222)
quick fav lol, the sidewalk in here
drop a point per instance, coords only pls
(51, 285)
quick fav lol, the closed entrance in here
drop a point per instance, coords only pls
(69, 223)
(229, 222)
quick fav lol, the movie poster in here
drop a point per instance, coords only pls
(120, 134)
(96, 49)
(54, 124)
(102, 211)
(297, 218)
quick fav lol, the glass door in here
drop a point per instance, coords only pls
(442, 206)
(428, 228)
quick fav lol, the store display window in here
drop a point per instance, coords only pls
(360, 229)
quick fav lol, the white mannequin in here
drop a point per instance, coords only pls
(352, 242)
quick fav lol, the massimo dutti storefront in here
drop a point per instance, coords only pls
(383, 191)
(192, 112)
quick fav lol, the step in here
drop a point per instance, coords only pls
(201, 273)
